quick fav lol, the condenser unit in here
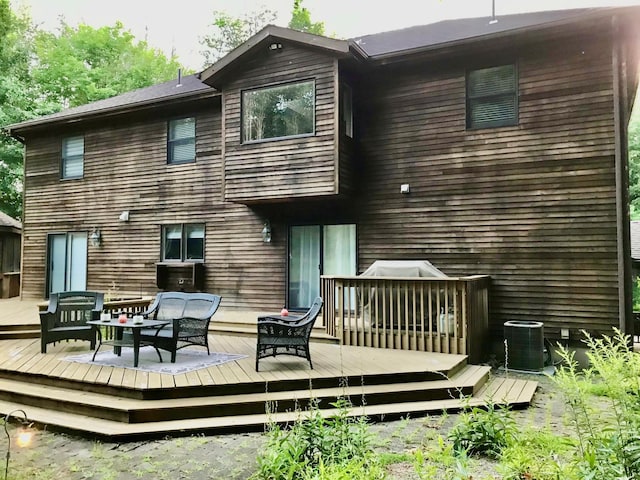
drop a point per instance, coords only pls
(524, 348)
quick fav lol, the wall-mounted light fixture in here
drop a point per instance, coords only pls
(95, 238)
(23, 437)
(266, 232)
(405, 188)
(124, 216)
(275, 47)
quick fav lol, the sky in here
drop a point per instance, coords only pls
(177, 25)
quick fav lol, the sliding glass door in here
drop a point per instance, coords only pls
(67, 262)
(316, 250)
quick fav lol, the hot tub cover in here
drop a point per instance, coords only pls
(402, 268)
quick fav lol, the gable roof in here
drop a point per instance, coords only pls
(262, 39)
(189, 86)
(7, 222)
(378, 46)
(437, 35)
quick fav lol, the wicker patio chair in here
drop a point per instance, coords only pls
(67, 316)
(189, 314)
(277, 336)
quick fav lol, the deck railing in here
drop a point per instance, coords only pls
(447, 315)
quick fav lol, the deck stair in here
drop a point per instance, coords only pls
(9, 332)
(105, 412)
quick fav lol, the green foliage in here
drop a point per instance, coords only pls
(229, 32)
(320, 448)
(609, 436)
(441, 461)
(486, 432)
(83, 64)
(634, 164)
(301, 20)
(539, 455)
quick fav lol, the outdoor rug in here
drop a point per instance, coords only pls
(148, 361)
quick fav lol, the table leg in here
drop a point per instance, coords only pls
(99, 341)
(117, 349)
(136, 346)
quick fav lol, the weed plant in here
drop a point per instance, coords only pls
(318, 448)
(484, 431)
(608, 435)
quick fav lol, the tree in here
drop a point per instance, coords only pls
(301, 20)
(83, 64)
(634, 164)
(229, 32)
(19, 100)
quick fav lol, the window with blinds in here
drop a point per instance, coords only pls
(183, 242)
(181, 140)
(72, 157)
(492, 97)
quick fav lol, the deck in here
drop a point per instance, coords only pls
(125, 403)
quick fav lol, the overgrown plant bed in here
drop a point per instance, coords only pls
(552, 439)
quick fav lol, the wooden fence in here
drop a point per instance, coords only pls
(427, 314)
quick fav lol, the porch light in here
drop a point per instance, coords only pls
(95, 238)
(23, 437)
(266, 232)
(275, 46)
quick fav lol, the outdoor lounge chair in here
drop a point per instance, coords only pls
(189, 314)
(67, 316)
(280, 336)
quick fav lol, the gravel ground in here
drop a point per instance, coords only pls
(233, 456)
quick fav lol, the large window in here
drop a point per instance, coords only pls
(72, 157)
(183, 242)
(492, 97)
(277, 112)
(181, 140)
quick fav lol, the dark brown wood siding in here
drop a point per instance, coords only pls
(287, 168)
(532, 205)
(125, 168)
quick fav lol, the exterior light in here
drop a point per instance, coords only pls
(275, 46)
(266, 232)
(95, 238)
(23, 438)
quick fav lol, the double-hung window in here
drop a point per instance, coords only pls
(72, 157)
(181, 140)
(492, 97)
(183, 242)
(281, 111)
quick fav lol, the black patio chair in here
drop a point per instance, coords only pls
(67, 316)
(189, 315)
(277, 336)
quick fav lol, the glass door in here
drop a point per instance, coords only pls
(316, 250)
(67, 262)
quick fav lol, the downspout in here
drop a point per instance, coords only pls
(620, 96)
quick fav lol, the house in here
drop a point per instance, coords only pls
(485, 147)
(10, 244)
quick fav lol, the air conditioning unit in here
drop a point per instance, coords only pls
(524, 349)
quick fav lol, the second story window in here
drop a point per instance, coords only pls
(346, 113)
(492, 97)
(278, 112)
(181, 140)
(183, 242)
(72, 157)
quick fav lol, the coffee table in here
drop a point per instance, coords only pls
(120, 342)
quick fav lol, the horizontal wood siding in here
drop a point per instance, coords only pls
(126, 169)
(288, 168)
(532, 205)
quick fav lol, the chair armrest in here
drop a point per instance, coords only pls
(47, 319)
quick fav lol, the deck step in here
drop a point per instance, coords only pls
(517, 393)
(112, 407)
(18, 334)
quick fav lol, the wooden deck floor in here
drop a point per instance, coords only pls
(127, 403)
(330, 361)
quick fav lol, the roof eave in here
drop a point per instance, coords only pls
(398, 55)
(17, 129)
(212, 74)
